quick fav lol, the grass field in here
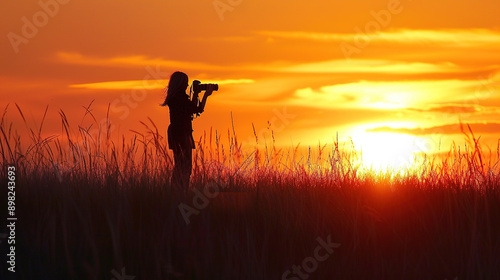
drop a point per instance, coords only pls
(90, 206)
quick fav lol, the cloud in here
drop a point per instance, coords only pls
(376, 66)
(444, 37)
(477, 128)
(132, 61)
(450, 109)
(372, 66)
(150, 84)
(144, 84)
(458, 109)
(387, 94)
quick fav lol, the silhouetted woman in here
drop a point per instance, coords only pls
(180, 130)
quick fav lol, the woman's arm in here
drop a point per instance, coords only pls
(201, 107)
(208, 92)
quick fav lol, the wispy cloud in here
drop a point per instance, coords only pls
(454, 108)
(149, 84)
(145, 84)
(336, 66)
(372, 66)
(445, 37)
(132, 61)
(477, 128)
(386, 94)
(449, 108)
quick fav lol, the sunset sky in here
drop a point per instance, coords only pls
(401, 73)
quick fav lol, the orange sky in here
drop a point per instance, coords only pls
(310, 68)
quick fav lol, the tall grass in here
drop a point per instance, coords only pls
(90, 203)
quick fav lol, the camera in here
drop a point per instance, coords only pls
(198, 86)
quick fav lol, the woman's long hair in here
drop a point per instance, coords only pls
(178, 83)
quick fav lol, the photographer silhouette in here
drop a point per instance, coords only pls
(180, 130)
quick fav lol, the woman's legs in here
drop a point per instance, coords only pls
(183, 164)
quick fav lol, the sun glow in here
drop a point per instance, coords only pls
(381, 151)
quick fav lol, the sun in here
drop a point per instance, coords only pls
(383, 151)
